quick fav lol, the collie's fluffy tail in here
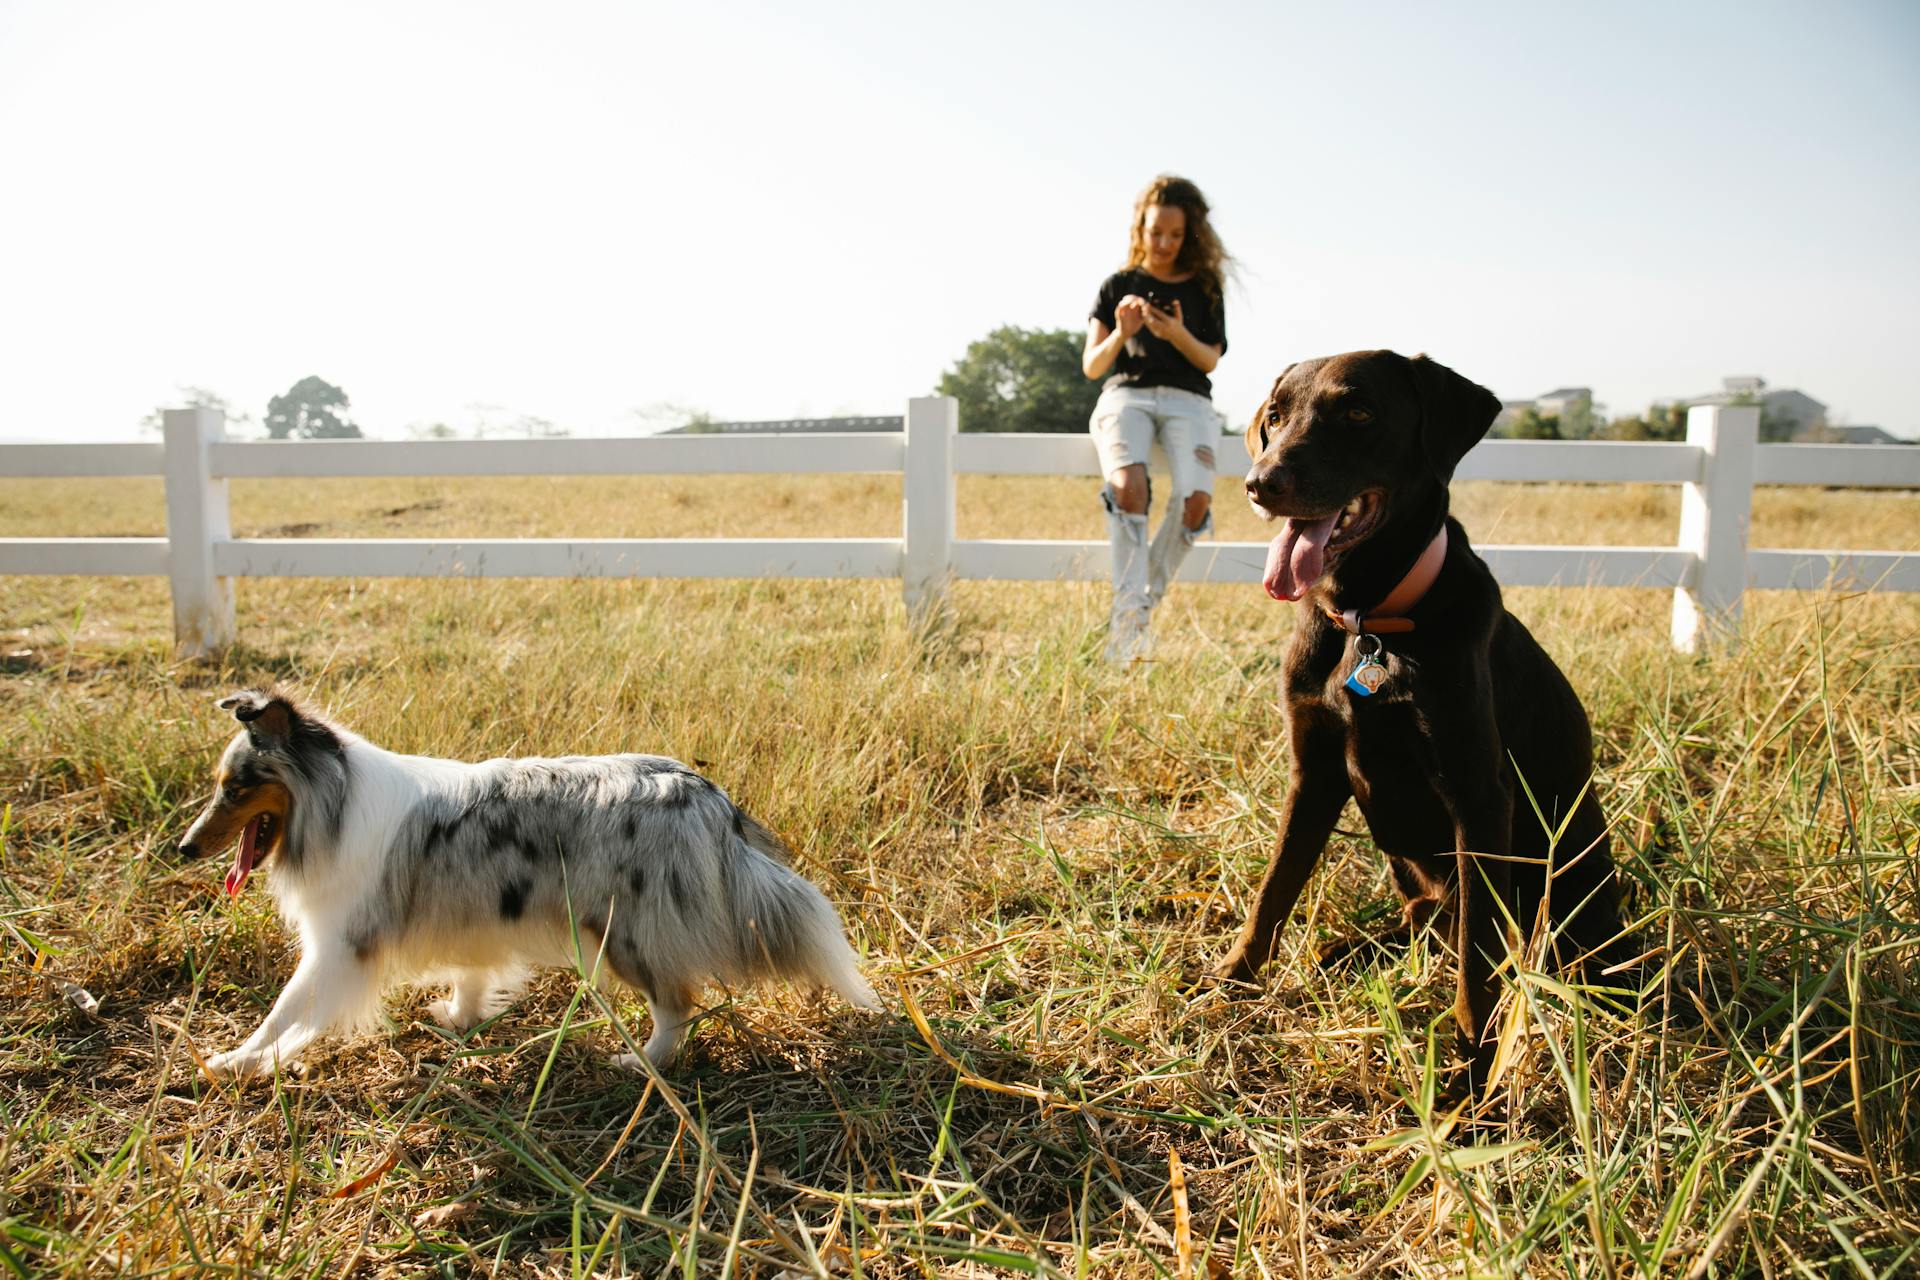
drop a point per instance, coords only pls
(785, 926)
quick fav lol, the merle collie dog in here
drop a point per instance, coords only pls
(397, 868)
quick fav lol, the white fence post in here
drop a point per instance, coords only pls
(1714, 514)
(196, 519)
(926, 491)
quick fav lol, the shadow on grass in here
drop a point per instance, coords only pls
(850, 1139)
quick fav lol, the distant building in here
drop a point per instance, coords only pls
(1824, 434)
(1784, 414)
(1788, 415)
(1573, 406)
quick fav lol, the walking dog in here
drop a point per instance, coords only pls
(395, 868)
(1409, 688)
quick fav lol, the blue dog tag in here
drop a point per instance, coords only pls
(1367, 677)
(1369, 673)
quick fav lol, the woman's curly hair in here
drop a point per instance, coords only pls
(1200, 252)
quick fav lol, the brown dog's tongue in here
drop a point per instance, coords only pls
(1297, 556)
(248, 854)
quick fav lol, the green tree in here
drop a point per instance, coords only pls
(1780, 428)
(311, 409)
(194, 398)
(1022, 380)
(1581, 421)
(1531, 424)
(1659, 422)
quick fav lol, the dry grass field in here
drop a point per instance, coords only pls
(1029, 847)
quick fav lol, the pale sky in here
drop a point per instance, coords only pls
(571, 210)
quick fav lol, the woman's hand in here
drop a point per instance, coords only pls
(1171, 326)
(1131, 314)
(1165, 324)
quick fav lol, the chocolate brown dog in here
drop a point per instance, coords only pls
(1410, 688)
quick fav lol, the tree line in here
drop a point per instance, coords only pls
(1659, 422)
(1013, 379)
(311, 409)
(315, 409)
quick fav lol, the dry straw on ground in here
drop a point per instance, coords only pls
(1030, 847)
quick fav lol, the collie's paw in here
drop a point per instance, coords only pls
(862, 997)
(235, 1064)
(249, 1064)
(453, 1017)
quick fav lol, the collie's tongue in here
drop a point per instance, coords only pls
(243, 860)
(1297, 556)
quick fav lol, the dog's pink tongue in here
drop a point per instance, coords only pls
(1296, 557)
(244, 859)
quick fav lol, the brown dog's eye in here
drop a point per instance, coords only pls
(1359, 415)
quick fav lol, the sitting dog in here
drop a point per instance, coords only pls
(1409, 688)
(391, 868)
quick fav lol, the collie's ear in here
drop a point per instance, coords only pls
(266, 715)
(246, 705)
(1454, 413)
(1257, 429)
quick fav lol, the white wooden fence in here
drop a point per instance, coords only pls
(1708, 568)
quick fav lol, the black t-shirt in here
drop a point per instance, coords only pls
(1147, 361)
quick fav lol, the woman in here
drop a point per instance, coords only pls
(1159, 328)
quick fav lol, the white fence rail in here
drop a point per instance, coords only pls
(1708, 568)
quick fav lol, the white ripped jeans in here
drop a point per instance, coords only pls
(1126, 422)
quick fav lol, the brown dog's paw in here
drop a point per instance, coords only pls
(1455, 1087)
(1230, 975)
(1342, 952)
(1471, 1111)
(1461, 1091)
(1365, 949)
(1234, 975)
(1466, 1080)
(1194, 980)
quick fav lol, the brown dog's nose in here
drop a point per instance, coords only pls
(1270, 488)
(188, 849)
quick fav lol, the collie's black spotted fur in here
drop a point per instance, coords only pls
(396, 868)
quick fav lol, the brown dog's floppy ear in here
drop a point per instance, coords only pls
(1454, 413)
(266, 715)
(1257, 429)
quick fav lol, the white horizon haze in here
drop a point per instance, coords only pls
(457, 210)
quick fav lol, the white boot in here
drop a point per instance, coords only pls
(1127, 635)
